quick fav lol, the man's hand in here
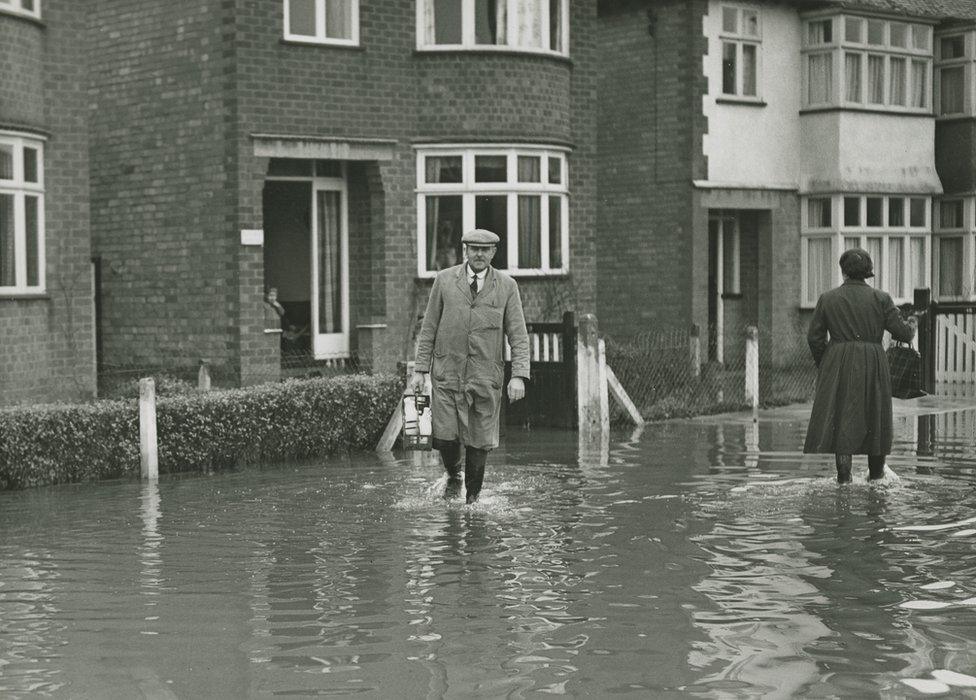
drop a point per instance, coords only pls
(417, 382)
(516, 389)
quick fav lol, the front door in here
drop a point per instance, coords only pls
(330, 269)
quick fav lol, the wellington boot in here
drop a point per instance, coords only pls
(451, 456)
(843, 468)
(474, 472)
(453, 488)
(876, 465)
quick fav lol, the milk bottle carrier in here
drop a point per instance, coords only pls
(417, 422)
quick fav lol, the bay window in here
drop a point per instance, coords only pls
(741, 37)
(520, 193)
(21, 215)
(954, 74)
(894, 229)
(867, 62)
(322, 21)
(516, 25)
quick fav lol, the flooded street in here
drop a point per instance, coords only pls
(698, 558)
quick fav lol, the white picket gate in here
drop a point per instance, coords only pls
(955, 346)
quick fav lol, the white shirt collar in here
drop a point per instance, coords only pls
(480, 275)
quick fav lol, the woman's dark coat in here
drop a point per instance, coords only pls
(852, 407)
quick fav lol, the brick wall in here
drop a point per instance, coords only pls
(651, 250)
(48, 352)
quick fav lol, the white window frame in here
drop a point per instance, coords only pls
(425, 43)
(739, 38)
(966, 63)
(840, 46)
(320, 29)
(20, 190)
(16, 7)
(838, 231)
(468, 190)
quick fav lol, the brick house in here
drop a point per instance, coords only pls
(46, 311)
(334, 150)
(749, 143)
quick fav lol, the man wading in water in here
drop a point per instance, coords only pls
(472, 307)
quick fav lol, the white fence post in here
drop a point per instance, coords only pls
(694, 350)
(148, 446)
(752, 370)
(203, 376)
(588, 380)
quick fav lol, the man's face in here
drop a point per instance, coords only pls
(478, 255)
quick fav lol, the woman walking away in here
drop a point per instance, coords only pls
(852, 407)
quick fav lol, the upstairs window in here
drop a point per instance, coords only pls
(867, 62)
(519, 193)
(29, 8)
(741, 40)
(954, 74)
(21, 215)
(516, 25)
(322, 21)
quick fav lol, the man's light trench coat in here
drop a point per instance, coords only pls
(461, 344)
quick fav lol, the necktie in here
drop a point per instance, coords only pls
(474, 285)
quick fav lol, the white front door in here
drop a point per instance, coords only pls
(330, 269)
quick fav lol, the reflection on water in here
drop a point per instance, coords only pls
(682, 559)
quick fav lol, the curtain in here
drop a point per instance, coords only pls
(556, 25)
(819, 78)
(748, 69)
(952, 90)
(301, 17)
(875, 247)
(6, 163)
(430, 32)
(7, 263)
(330, 273)
(529, 232)
(920, 71)
(876, 79)
(433, 167)
(896, 267)
(338, 19)
(819, 267)
(529, 169)
(950, 266)
(555, 232)
(527, 23)
(896, 81)
(917, 262)
(852, 77)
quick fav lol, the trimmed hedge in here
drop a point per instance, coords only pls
(295, 419)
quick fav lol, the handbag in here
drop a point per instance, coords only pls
(906, 371)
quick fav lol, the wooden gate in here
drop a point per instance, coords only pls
(550, 395)
(947, 341)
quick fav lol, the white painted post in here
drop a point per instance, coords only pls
(148, 446)
(603, 387)
(752, 370)
(694, 350)
(203, 376)
(588, 380)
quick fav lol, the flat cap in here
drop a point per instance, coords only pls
(480, 236)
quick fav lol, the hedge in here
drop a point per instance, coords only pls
(294, 419)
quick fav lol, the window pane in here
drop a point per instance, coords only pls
(555, 232)
(330, 301)
(852, 211)
(526, 23)
(853, 29)
(490, 169)
(556, 25)
(30, 164)
(950, 214)
(819, 267)
(290, 167)
(952, 47)
(876, 79)
(6, 162)
(730, 20)
(852, 242)
(529, 232)
(951, 90)
(819, 78)
(820, 32)
(916, 215)
(555, 171)
(32, 243)
(818, 212)
(328, 168)
(896, 211)
(920, 37)
(491, 212)
(489, 21)
(529, 169)
(875, 247)
(917, 263)
(896, 267)
(898, 34)
(875, 32)
(7, 262)
(896, 81)
(445, 22)
(442, 169)
(852, 77)
(875, 208)
(748, 69)
(920, 79)
(950, 266)
(750, 23)
(338, 19)
(728, 67)
(301, 17)
(444, 221)
(730, 271)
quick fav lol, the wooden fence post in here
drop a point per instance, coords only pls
(568, 358)
(148, 446)
(752, 369)
(588, 379)
(922, 302)
(203, 375)
(694, 350)
(603, 387)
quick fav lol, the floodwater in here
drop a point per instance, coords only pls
(693, 559)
